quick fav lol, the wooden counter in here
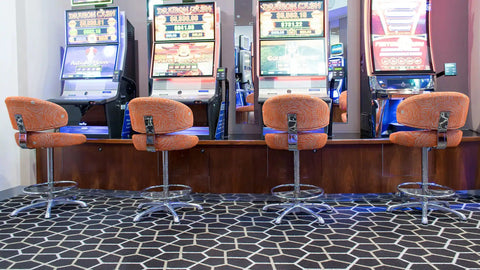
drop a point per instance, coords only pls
(344, 165)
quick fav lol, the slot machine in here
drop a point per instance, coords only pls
(185, 53)
(291, 48)
(398, 58)
(98, 70)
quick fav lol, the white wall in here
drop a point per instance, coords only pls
(474, 62)
(40, 28)
(32, 35)
(10, 152)
(40, 33)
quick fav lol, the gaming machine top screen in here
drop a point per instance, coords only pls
(184, 22)
(292, 19)
(92, 26)
(400, 36)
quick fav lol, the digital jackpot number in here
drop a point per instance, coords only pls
(291, 24)
(185, 27)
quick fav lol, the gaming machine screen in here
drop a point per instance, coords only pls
(292, 58)
(88, 62)
(399, 34)
(183, 59)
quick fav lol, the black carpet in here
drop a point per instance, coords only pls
(234, 233)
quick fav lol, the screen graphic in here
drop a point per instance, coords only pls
(184, 22)
(183, 59)
(92, 26)
(89, 62)
(302, 19)
(292, 58)
(400, 36)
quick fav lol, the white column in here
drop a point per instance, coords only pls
(10, 152)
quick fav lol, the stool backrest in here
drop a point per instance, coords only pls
(312, 112)
(168, 115)
(37, 114)
(423, 111)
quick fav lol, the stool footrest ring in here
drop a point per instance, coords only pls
(432, 190)
(168, 192)
(50, 188)
(306, 192)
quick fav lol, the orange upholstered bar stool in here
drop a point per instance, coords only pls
(295, 115)
(439, 115)
(342, 104)
(31, 116)
(155, 118)
(247, 108)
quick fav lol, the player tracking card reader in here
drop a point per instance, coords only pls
(221, 74)
(219, 111)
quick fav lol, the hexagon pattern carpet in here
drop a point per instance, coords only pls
(234, 233)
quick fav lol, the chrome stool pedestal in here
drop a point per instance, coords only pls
(296, 194)
(50, 192)
(161, 196)
(425, 192)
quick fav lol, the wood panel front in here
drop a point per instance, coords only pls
(236, 169)
(352, 169)
(251, 167)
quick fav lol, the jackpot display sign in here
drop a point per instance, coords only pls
(293, 19)
(92, 26)
(183, 59)
(184, 22)
(399, 35)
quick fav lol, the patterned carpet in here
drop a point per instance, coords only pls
(234, 233)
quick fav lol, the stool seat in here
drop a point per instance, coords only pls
(425, 138)
(306, 141)
(51, 139)
(248, 108)
(165, 142)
